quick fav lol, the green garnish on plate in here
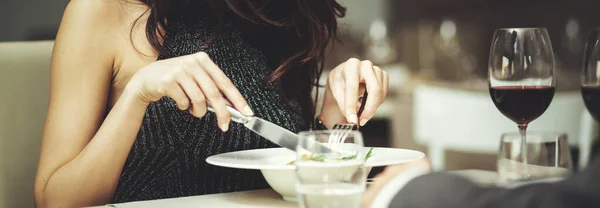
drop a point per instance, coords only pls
(320, 158)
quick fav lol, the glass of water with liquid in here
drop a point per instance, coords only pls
(334, 176)
(547, 158)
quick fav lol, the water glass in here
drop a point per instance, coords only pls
(547, 156)
(330, 179)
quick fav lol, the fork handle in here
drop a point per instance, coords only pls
(362, 103)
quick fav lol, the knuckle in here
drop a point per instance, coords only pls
(199, 112)
(161, 90)
(376, 89)
(338, 77)
(198, 100)
(367, 62)
(380, 98)
(377, 68)
(189, 64)
(353, 60)
(214, 95)
(183, 103)
(167, 80)
(227, 84)
(225, 116)
(202, 56)
(330, 77)
(180, 71)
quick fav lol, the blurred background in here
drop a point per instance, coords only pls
(436, 52)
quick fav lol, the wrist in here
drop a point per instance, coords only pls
(331, 115)
(330, 111)
(131, 96)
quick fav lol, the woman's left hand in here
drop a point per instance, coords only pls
(345, 84)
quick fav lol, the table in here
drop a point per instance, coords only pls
(245, 199)
(482, 177)
(263, 198)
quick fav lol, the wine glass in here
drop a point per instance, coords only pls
(590, 79)
(521, 75)
(330, 179)
(548, 155)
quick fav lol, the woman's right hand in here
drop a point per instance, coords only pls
(190, 80)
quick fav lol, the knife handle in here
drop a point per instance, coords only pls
(235, 114)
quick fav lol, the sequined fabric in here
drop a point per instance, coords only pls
(168, 156)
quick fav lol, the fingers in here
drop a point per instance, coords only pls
(195, 95)
(374, 88)
(352, 79)
(223, 83)
(212, 94)
(336, 85)
(378, 73)
(361, 91)
(348, 82)
(176, 93)
(386, 82)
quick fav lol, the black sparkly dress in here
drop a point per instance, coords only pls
(168, 156)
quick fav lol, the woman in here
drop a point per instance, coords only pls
(123, 126)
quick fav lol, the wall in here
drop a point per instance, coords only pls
(39, 19)
(30, 19)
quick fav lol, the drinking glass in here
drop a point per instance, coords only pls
(521, 75)
(334, 179)
(590, 79)
(548, 157)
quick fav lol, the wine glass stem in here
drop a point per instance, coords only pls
(523, 132)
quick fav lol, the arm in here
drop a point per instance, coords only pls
(83, 152)
(446, 190)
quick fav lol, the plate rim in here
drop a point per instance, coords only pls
(210, 160)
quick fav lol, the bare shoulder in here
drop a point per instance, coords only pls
(97, 13)
(106, 26)
(91, 25)
(115, 14)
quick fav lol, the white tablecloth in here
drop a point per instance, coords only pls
(246, 199)
(262, 198)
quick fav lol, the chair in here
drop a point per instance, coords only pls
(24, 81)
(465, 120)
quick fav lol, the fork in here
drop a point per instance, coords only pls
(341, 131)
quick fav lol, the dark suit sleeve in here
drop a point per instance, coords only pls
(451, 191)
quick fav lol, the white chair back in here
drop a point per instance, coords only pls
(24, 82)
(464, 120)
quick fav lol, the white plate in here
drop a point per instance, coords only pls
(277, 158)
(272, 163)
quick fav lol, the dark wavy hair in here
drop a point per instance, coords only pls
(309, 24)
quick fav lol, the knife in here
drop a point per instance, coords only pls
(274, 133)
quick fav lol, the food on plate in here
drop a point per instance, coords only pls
(321, 158)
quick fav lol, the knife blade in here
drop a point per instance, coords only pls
(272, 132)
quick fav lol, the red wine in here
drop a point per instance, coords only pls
(522, 104)
(591, 98)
